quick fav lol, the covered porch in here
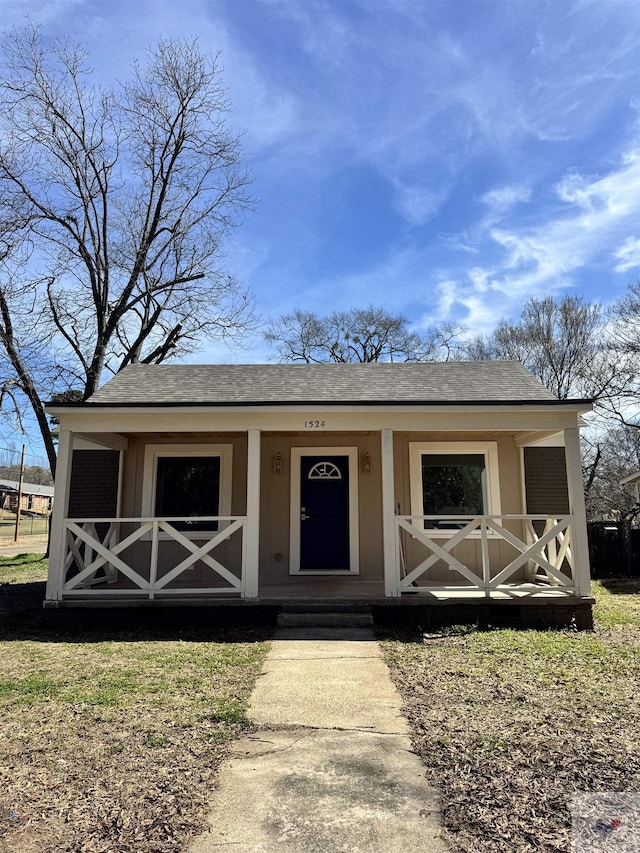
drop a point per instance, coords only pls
(243, 553)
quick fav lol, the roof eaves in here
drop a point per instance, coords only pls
(183, 404)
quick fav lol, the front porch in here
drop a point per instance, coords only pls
(135, 560)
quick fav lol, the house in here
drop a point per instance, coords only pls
(440, 483)
(633, 480)
(36, 499)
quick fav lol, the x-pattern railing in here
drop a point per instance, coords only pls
(544, 556)
(91, 552)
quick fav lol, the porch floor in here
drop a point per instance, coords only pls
(275, 596)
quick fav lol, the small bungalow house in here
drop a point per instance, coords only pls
(380, 483)
(35, 499)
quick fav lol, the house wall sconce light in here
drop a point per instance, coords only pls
(366, 464)
(277, 463)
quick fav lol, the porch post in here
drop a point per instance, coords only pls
(388, 516)
(252, 556)
(579, 541)
(57, 549)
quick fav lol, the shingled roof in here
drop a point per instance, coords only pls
(331, 384)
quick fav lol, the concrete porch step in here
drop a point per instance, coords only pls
(299, 616)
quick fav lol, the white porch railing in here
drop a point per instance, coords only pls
(95, 555)
(544, 554)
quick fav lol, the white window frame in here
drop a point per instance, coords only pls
(354, 523)
(153, 452)
(488, 449)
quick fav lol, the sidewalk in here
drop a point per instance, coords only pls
(26, 545)
(330, 769)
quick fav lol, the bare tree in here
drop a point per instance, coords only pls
(34, 474)
(626, 311)
(619, 450)
(125, 195)
(562, 343)
(567, 345)
(358, 335)
(25, 335)
(625, 341)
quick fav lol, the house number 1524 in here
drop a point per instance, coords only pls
(314, 424)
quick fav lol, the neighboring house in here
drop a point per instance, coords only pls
(36, 499)
(379, 483)
(633, 480)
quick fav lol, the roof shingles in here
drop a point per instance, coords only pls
(244, 384)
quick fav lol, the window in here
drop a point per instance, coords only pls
(453, 478)
(188, 485)
(183, 481)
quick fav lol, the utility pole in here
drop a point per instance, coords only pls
(19, 507)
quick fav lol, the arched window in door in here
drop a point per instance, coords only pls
(325, 471)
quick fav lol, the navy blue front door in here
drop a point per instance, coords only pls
(324, 513)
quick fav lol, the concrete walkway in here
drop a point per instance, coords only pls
(331, 768)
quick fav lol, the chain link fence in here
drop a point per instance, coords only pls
(32, 526)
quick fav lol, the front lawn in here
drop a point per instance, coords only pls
(510, 723)
(111, 740)
(23, 568)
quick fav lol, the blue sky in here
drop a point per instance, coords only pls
(445, 158)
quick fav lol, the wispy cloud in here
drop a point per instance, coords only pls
(535, 260)
(501, 199)
(17, 13)
(596, 211)
(628, 255)
(417, 204)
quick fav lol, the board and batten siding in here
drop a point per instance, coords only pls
(545, 476)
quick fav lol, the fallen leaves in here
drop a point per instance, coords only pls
(510, 724)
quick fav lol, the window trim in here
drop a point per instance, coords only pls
(488, 449)
(153, 452)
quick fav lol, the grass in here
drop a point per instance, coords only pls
(111, 740)
(29, 526)
(510, 723)
(23, 568)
